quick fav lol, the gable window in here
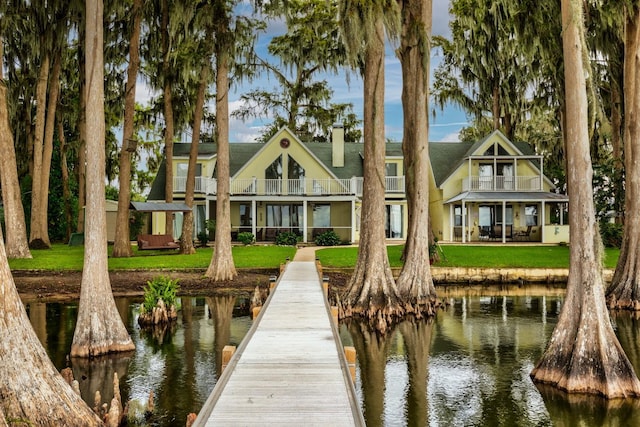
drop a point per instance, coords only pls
(295, 173)
(531, 214)
(496, 150)
(273, 176)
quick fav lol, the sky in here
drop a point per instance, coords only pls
(445, 126)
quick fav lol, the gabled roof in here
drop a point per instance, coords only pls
(242, 153)
(446, 157)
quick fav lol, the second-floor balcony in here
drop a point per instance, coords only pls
(502, 183)
(288, 187)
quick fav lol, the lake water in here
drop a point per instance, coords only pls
(467, 367)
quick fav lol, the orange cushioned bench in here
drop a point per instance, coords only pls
(156, 241)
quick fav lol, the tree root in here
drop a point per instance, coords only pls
(623, 304)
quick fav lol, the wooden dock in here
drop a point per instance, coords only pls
(290, 369)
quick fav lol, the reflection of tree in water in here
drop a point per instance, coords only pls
(371, 349)
(627, 327)
(416, 334)
(159, 334)
(586, 410)
(177, 393)
(96, 374)
(221, 307)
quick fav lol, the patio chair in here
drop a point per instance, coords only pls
(523, 234)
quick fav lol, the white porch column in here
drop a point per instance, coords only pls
(304, 221)
(542, 223)
(452, 221)
(353, 221)
(254, 218)
(464, 222)
(504, 222)
(207, 201)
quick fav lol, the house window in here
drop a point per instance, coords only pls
(496, 149)
(296, 177)
(393, 223)
(321, 216)
(457, 216)
(284, 216)
(505, 176)
(274, 170)
(531, 214)
(485, 172)
(245, 215)
(180, 182)
(392, 183)
(183, 168)
(508, 213)
(273, 177)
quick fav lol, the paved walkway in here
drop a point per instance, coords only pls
(305, 253)
(290, 369)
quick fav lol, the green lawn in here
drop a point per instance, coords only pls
(474, 256)
(63, 257)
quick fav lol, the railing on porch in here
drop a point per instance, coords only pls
(300, 186)
(502, 183)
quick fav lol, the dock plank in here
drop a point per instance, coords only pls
(290, 370)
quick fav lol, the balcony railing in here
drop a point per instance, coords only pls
(502, 183)
(282, 187)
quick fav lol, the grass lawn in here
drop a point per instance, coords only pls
(63, 257)
(473, 256)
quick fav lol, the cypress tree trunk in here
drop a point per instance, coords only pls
(583, 354)
(624, 290)
(122, 240)
(32, 390)
(186, 243)
(415, 283)
(372, 292)
(17, 245)
(222, 267)
(99, 328)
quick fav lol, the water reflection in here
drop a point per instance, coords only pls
(468, 366)
(180, 365)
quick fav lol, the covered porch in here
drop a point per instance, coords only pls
(266, 217)
(508, 217)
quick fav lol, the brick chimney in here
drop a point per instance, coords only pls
(337, 143)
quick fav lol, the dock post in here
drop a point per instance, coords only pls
(334, 314)
(325, 286)
(350, 354)
(255, 312)
(272, 282)
(227, 353)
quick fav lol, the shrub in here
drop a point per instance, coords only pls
(328, 238)
(287, 238)
(203, 238)
(246, 238)
(160, 288)
(611, 234)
